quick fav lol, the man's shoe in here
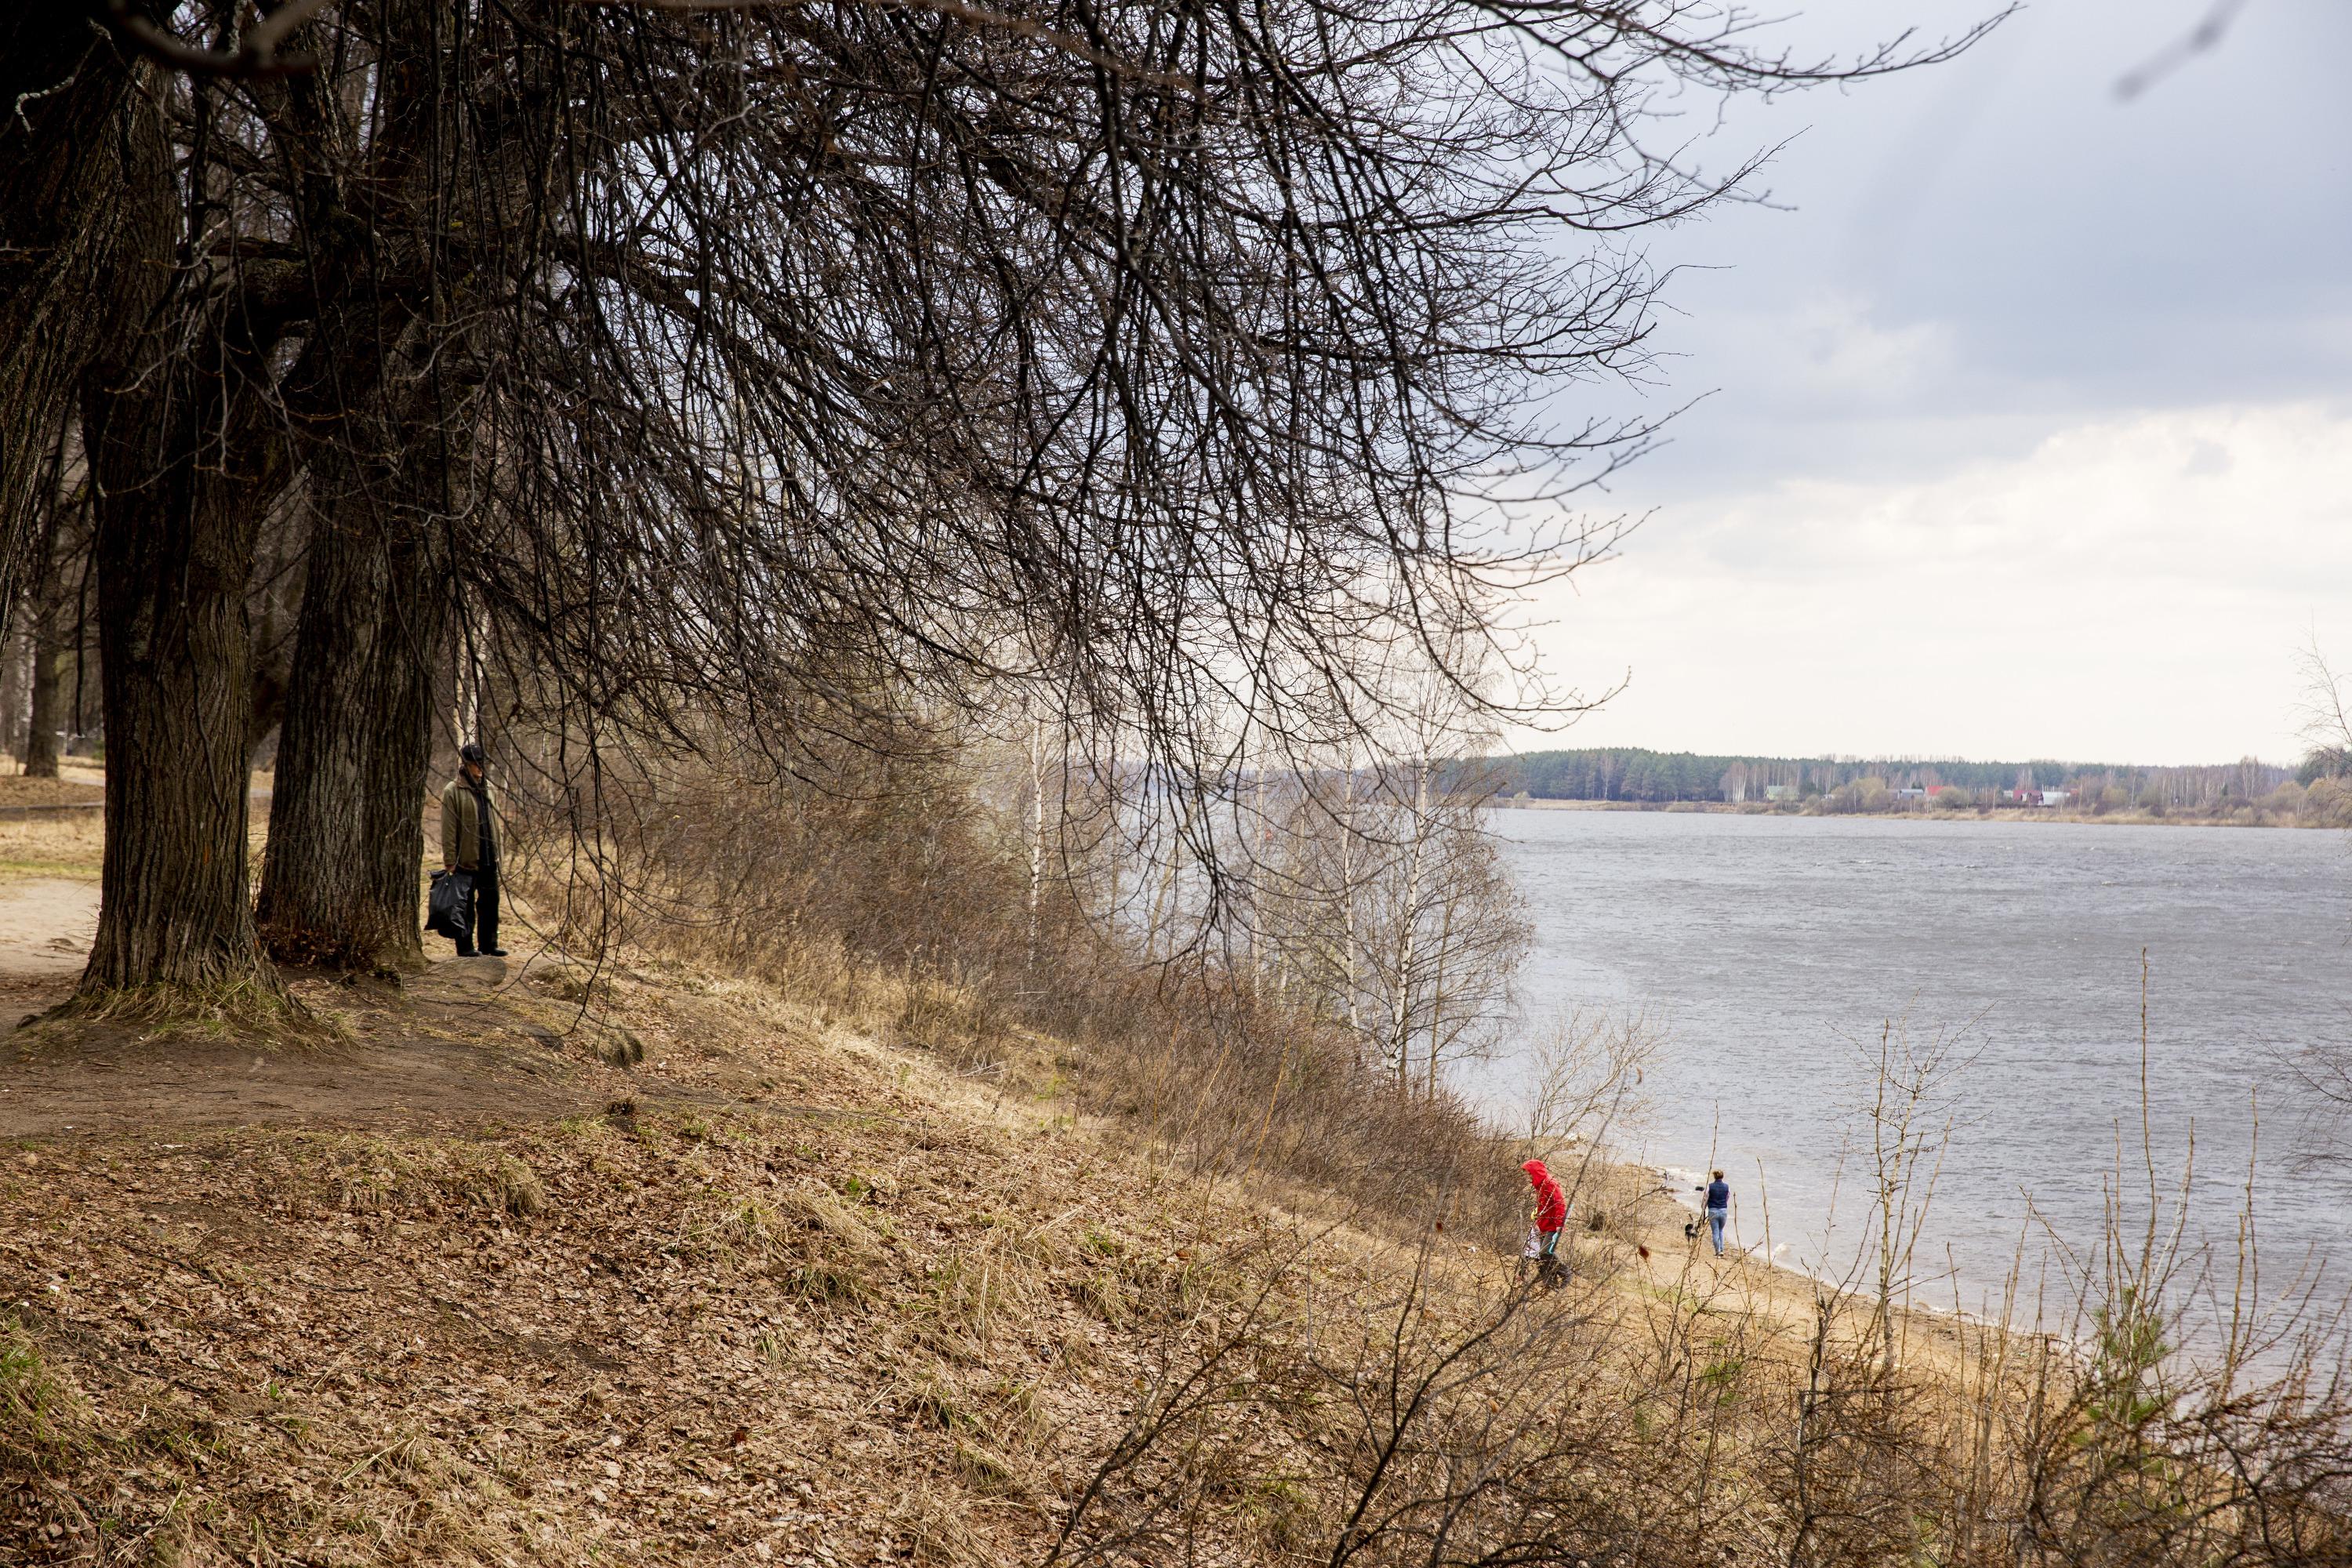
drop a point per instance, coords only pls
(494, 953)
(465, 953)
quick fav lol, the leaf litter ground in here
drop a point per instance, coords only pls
(457, 1286)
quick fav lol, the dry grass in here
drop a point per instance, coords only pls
(676, 1333)
(885, 1310)
(870, 1259)
(881, 1310)
(900, 907)
(57, 846)
(75, 786)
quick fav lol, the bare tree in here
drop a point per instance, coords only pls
(1908, 1115)
(398, 207)
(738, 366)
(1585, 1072)
(1384, 908)
(1159, 365)
(79, 132)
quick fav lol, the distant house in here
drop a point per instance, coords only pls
(1934, 790)
(1781, 793)
(2056, 797)
(1912, 792)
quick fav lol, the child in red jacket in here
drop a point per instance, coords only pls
(1550, 1219)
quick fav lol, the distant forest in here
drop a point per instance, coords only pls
(1626, 774)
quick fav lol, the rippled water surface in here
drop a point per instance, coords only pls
(1768, 948)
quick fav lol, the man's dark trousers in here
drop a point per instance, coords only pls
(481, 910)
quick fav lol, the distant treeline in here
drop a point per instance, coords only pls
(1631, 773)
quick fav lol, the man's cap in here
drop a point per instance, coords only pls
(471, 752)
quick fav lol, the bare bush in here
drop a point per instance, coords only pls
(1435, 1416)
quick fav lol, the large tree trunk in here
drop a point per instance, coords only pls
(339, 886)
(346, 834)
(73, 130)
(179, 463)
(87, 219)
(183, 459)
(177, 510)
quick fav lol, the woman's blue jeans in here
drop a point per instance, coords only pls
(1715, 1218)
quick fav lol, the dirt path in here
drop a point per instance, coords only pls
(46, 926)
(466, 1042)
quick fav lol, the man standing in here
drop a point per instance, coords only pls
(470, 849)
(1719, 1208)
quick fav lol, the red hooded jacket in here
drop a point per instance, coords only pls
(1551, 1203)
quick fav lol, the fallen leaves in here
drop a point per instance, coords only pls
(533, 1342)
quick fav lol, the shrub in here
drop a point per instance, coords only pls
(895, 890)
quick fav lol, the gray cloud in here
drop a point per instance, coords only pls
(2027, 425)
(1980, 254)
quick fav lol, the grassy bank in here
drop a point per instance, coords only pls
(662, 1264)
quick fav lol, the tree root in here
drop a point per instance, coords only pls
(255, 1009)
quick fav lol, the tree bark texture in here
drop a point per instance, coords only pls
(339, 886)
(47, 705)
(73, 128)
(274, 610)
(346, 832)
(184, 461)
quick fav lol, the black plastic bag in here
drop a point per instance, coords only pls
(444, 909)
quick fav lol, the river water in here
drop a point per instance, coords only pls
(1768, 952)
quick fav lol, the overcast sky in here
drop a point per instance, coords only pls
(2028, 425)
